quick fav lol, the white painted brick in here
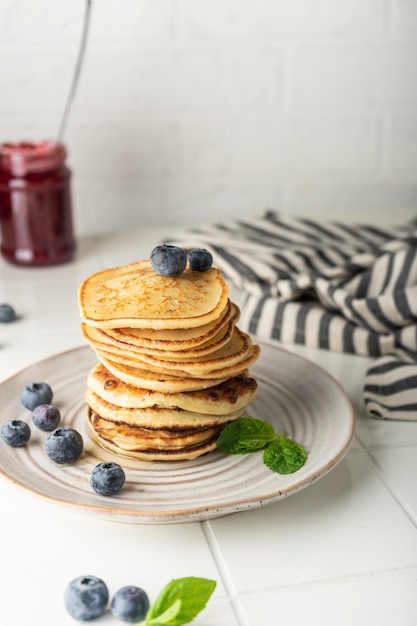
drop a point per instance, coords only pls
(213, 200)
(124, 150)
(355, 77)
(268, 146)
(182, 80)
(133, 21)
(196, 110)
(403, 145)
(24, 128)
(40, 21)
(118, 207)
(395, 202)
(406, 17)
(232, 147)
(101, 208)
(35, 83)
(206, 20)
(331, 145)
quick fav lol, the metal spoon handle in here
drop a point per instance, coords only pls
(77, 71)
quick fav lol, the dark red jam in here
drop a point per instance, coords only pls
(35, 204)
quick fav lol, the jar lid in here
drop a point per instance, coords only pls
(26, 157)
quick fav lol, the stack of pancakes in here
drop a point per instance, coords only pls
(172, 365)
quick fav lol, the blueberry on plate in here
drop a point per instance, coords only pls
(168, 260)
(130, 604)
(7, 314)
(64, 445)
(107, 478)
(200, 260)
(86, 597)
(15, 433)
(36, 393)
(46, 417)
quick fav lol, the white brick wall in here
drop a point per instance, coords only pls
(193, 110)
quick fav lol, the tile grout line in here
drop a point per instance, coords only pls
(345, 579)
(408, 511)
(224, 572)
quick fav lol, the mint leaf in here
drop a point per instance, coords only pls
(180, 601)
(244, 435)
(167, 616)
(248, 434)
(284, 456)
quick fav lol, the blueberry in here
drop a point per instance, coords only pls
(107, 478)
(46, 417)
(86, 597)
(64, 445)
(15, 433)
(36, 393)
(168, 260)
(200, 260)
(7, 314)
(130, 604)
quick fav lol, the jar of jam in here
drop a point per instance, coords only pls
(35, 204)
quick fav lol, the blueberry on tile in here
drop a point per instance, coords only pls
(130, 604)
(107, 478)
(168, 260)
(15, 433)
(7, 314)
(86, 597)
(64, 445)
(36, 393)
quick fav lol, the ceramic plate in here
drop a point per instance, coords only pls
(295, 395)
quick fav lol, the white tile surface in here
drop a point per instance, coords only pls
(392, 598)
(346, 524)
(63, 546)
(342, 547)
(398, 467)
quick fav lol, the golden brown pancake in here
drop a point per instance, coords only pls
(157, 417)
(169, 382)
(231, 395)
(155, 381)
(156, 453)
(135, 296)
(171, 340)
(101, 337)
(233, 352)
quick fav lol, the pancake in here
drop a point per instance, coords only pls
(171, 339)
(236, 350)
(156, 417)
(95, 335)
(168, 382)
(135, 296)
(166, 453)
(231, 395)
(155, 381)
(138, 438)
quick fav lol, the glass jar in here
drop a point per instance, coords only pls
(35, 204)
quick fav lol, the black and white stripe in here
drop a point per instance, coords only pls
(346, 288)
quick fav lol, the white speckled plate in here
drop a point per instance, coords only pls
(295, 395)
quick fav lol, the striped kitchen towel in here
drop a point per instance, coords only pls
(329, 285)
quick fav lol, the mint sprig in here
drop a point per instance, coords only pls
(180, 601)
(249, 434)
